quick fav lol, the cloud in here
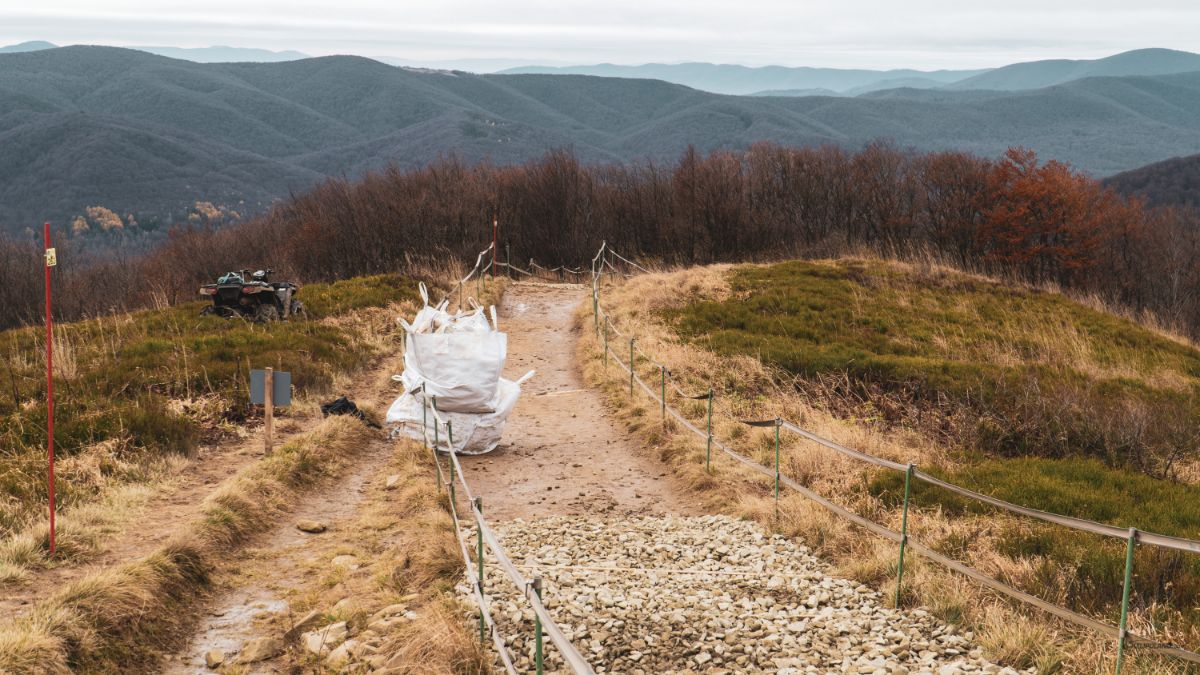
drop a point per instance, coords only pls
(852, 33)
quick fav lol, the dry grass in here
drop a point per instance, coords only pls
(119, 618)
(405, 540)
(1010, 634)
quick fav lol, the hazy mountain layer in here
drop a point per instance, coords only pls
(147, 135)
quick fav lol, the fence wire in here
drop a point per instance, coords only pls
(1084, 621)
(570, 654)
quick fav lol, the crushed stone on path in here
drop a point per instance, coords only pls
(673, 594)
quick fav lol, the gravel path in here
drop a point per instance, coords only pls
(671, 594)
(562, 453)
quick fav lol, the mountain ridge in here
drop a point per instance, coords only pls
(148, 135)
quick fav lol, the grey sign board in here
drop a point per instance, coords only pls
(281, 392)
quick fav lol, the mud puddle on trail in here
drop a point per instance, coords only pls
(253, 590)
(562, 453)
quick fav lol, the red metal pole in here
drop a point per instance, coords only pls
(495, 228)
(49, 388)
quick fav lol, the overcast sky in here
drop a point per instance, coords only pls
(847, 33)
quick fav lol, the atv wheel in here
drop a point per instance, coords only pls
(208, 309)
(297, 309)
(265, 313)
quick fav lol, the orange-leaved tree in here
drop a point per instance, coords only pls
(1046, 220)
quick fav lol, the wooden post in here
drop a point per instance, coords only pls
(269, 410)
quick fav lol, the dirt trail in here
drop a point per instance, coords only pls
(150, 525)
(284, 558)
(562, 453)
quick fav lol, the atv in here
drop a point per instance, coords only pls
(252, 297)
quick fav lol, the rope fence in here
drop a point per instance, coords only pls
(544, 624)
(1132, 536)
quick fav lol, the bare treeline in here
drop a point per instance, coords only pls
(1012, 215)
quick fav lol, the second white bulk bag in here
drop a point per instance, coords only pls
(474, 434)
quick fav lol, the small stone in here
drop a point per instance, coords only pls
(392, 481)
(311, 619)
(390, 610)
(213, 658)
(261, 649)
(347, 605)
(342, 655)
(345, 561)
(325, 639)
(310, 526)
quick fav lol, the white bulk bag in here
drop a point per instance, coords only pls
(474, 434)
(462, 370)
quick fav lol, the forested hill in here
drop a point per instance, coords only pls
(1171, 182)
(148, 136)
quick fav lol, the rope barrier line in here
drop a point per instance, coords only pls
(1133, 536)
(569, 653)
(480, 600)
(630, 262)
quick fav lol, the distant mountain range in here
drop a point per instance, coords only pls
(253, 55)
(783, 81)
(148, 135)
(745, 80)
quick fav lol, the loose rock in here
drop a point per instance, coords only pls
(213, 658)
(261, 649)
(310, 526)
(706, 594)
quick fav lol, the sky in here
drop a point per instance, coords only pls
(925, 34)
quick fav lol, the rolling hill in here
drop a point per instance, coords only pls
(1046, 73)
(745, 80)
(147, 135)
(1171, 182)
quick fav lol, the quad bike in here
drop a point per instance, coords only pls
(252, 297)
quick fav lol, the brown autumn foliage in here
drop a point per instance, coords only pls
(1012, 215)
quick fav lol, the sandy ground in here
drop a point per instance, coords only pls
(562, 453)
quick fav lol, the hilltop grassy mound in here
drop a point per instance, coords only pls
(1016, 392)
(1008, 371)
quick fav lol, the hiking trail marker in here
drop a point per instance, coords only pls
(51, 261)
(270, 388)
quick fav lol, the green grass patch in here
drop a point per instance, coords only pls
(1082, 488)
(120, 376)
(1034, 372)
(1050, 404)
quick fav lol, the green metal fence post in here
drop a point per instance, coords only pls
(663, 394)
(903, 532)
(537, 628)
(631, 358)
(1123, 635)
(479, 560)
(708, 449)
(778, 423)
(606, 344)
(450, 440)
(436, 442)
(508, 258)
(425, 422)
